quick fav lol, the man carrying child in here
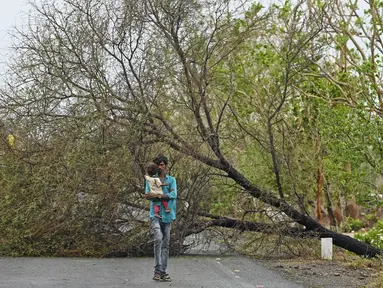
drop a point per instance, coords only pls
(161, 226)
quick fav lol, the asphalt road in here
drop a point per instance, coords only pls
(186, 271)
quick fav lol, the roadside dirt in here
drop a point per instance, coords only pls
(317, 273)
(344, 271)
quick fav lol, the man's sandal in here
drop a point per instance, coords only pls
(157, 276)
(166, 278)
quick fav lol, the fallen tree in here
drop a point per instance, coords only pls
(314, 230)
(168, 74)
(340, 240)
(196, 76)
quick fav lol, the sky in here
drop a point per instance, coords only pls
(12, 13)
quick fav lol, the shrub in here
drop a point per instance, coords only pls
(374, 236)
(352, 225)
(356, 224)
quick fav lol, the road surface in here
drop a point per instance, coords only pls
(186, 271)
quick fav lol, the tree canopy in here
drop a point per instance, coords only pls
(257, 106)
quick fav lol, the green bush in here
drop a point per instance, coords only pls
(371, 217)
(374, 236)
(352, 225)
(356, 224)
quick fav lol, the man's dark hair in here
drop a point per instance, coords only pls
(160, 158)
(152, 169)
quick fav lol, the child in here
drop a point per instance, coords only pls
(155, 187)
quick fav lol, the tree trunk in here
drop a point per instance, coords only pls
(329, 206)
(340, 240)
(319, 181)
(313, 230)
(319, 193)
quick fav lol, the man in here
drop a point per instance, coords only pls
(160, 227)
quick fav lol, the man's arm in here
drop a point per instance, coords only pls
(151, 196)
(173, 189)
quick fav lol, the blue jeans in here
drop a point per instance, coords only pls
(161, 233)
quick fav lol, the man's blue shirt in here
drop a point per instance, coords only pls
(167, 217)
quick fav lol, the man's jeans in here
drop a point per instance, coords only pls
(161, 233)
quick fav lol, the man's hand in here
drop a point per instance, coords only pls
(149, 196)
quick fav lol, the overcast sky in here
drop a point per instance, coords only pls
(12, 13)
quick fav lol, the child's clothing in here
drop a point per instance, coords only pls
(155, 187)
(155, 184)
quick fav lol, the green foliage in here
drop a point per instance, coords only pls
(88, 116)
(374, 236)
(42, 212)
(352, 225)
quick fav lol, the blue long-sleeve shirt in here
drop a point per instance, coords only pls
(167, 217)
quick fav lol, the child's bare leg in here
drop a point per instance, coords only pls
(157, 211)
(165, 204)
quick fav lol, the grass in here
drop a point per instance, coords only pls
(377, 282)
